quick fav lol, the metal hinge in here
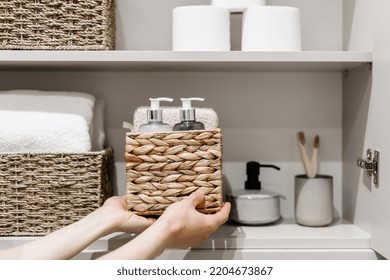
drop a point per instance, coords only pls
(370, 165)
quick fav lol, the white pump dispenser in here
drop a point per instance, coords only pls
(154, 116)
(187, 116)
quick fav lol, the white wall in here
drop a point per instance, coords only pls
(260, 114)
(358, 24)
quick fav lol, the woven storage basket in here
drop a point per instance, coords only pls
(162, 168)
(40, 192)
(57, 24)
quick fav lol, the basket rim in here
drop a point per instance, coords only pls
(102, 152)
(175, 131)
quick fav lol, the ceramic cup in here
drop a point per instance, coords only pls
(314, 200)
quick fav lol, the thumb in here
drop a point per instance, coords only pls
(196, 198)
(136, 224)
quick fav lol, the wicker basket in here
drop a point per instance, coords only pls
(165, 167)
(40, 192)
(57, 24)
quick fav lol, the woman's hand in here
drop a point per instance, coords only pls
(180, 226)
(116, 211)
(187, 226)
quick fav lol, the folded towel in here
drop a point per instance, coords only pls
(171, 116)
(43, 121)
(43, 132)
(98, 135)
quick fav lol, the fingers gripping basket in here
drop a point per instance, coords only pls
(163, 168)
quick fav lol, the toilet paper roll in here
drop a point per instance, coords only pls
(236, 6)
(201, 28)
(271, 28)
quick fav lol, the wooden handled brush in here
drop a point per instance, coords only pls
(314, 156)
(306, 161)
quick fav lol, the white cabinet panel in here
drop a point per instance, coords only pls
(309, 79)
(356, 193)
(380, 129)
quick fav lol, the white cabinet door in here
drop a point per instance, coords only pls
(379, 126)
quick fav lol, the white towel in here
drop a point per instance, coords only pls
(171, 116)
(43, 132)
(43, 121)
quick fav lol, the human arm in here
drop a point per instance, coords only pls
(180, 226)
(69, 241)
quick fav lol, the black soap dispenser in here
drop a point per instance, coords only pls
(254, 205)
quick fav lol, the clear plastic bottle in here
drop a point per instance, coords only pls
(187, 116)
(154, 117)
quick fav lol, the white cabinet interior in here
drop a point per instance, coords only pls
(262, 99)
(259, 111)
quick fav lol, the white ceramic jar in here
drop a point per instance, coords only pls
(254, 207)
(314, 200)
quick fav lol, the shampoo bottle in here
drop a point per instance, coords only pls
(187, 116)
(154, 117)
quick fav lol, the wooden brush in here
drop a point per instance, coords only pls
(306, 160)
(314, 156)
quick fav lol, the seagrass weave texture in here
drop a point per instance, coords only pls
(42, 192)
(162, 168)
(57, 24)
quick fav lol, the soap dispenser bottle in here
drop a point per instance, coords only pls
(187, 116)
(254, 205)
(154, 117)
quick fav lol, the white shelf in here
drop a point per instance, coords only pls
(183, 61)
(289, 235)
(284, 235)
(283, 240)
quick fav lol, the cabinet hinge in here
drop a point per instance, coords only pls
(370, 165)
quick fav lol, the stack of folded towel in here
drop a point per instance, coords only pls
(47, 121)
